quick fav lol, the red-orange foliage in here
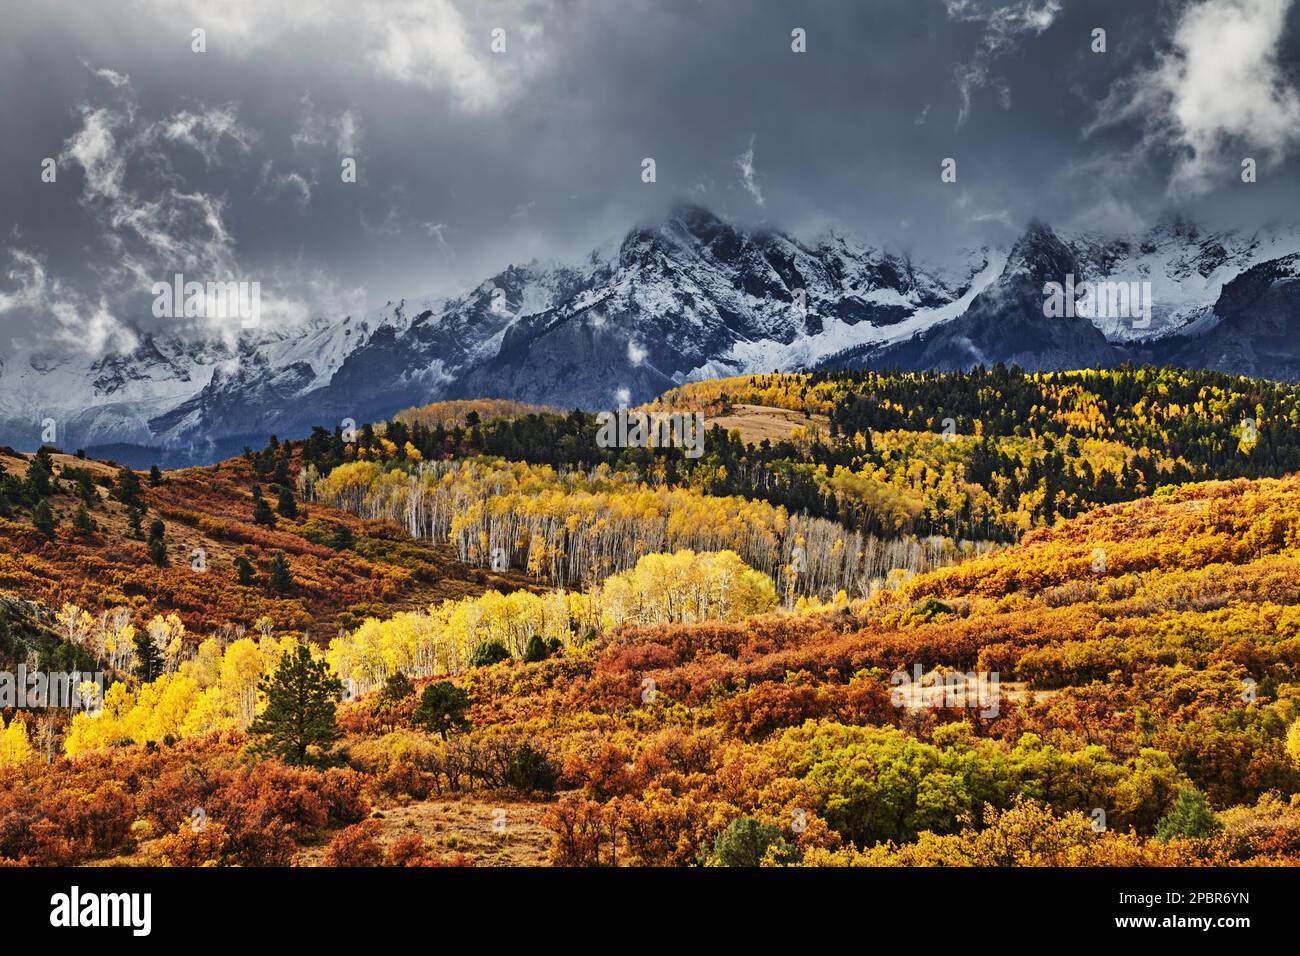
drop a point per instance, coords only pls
(356, 846)
(193, 846)
(756, 712)
(210, 509)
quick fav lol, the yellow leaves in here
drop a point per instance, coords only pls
(893, 505)
(76, 626)
(15, 748)
(416, 644)
(210, 691)
(89, 732)
(117, 700)
(88, 691)
(1293, 742)
(349, 482)
(683, 587)
(167, 633)
(233, 697)
(169, 700)
(205, 665)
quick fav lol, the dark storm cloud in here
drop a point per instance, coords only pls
(227, 163)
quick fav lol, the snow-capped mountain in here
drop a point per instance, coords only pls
(146, 399)
(1187, 269)
(1255, 325)
(686, 298)
(1003, 323)
(1193, 282)
(695, 298)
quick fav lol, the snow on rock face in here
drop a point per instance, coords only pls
(1187, 269)
(689, 297)
(1193, 282)
(696, 296)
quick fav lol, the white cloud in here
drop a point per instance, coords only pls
(389, 225)
(315, 293)
(94, 149)
(293, 184)
(154, 226)
(348, 132)
(1216, 95)
(441, 45)
(748, 178)
(205, 131)
(1004, 24)
(244, 27)
(80, 324)
(115, 79)
(430, 43)
(28, 274)
(162, 227)
(341, 133)
(436, 231)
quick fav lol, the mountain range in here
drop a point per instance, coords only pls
(689, 297)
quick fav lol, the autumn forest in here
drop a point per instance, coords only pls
(990, 618)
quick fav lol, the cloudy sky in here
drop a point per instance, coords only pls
(227, 163)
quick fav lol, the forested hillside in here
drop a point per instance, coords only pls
(972, 457)
(518, 646)
(1145, 712)
(221, 547)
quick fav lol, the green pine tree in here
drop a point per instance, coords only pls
(148, 659)
(244, 568)
(300, 709)
(746, 841)
(285, 504)
(1191, 817)
(127, 490)
(535, 650)
(158, 543)
(81, 521)
(442, 708)
(280, 575)
(397, 688)
(488, 652)
(43, 519)
(134, 518)
(342, 539)
(40, 473)
(86, 489)
(262, 513)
